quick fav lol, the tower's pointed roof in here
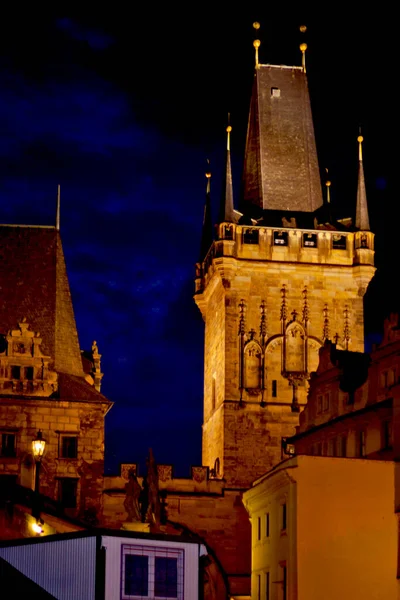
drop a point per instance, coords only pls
(226, 207)
(207, 231)
(281, 169)
(362, 218)
(34, 285)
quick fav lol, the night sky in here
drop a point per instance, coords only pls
(123, 109)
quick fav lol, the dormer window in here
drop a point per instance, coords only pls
(280, 238)
(250, 236)
(309, 240)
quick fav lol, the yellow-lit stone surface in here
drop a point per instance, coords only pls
(340, 522)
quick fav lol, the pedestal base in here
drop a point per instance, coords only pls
(136, 526)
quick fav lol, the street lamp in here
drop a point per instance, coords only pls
(38, 446)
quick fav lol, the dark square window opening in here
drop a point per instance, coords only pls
(228, 232)
(339, 242)
(166, 577)
(15, 372)
(136, 575)
(309, 240)
(274, 388)
(68, 492)
(69, 447)
(7, 445)
(250, 236)
(29, 373)
(280, 238)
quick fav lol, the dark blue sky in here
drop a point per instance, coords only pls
(123, 111)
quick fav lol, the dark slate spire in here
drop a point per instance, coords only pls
(362, 219)
(207, 232)
(226, 207)
(40, 295)
(281, 169)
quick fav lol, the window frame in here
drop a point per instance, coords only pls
(153, 552)
(61, 446)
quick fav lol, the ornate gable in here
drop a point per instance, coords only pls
(24, 369)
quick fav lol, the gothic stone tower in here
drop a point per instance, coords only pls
(283, 274)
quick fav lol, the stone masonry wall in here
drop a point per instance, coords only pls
(55, 419)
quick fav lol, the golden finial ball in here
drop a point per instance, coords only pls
(229, 129)
(303, 28)
(256, 25)
(360, 139)
(208, 175)
(303, 47)
(256, 43)
(328, 183)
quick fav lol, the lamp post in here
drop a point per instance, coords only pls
(38, 446)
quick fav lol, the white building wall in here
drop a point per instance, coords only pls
(114, 545)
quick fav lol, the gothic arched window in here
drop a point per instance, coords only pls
(252, 366)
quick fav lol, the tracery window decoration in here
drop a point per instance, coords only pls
(294, 348)
(252, 366)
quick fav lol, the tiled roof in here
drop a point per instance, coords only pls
(34, 285)
(71, 387)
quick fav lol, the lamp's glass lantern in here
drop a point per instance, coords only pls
(38, 446)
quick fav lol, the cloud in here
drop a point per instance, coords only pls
(95, 38)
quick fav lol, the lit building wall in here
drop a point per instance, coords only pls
(340, 533)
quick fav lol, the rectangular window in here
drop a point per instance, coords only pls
(326, 402)
(136, 575)
(165, 577)
(339, 242)
(250, 236)
(152, 572)
(15, 372)
(284, 582)
(259, 528)
(68, 491)
(267, 525)
(280, 238)
(274, 388)
(361, 444)
(7, 444)
(267, 586)
(284, 517)
(343, 446)
(69, 446)
(309, 240)
(258, 587)
(320, 403)
(387, 435)
(29, 373)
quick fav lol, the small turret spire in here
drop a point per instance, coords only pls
(226, 207)
(207, 232)
(58, 207)
(362, 218)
